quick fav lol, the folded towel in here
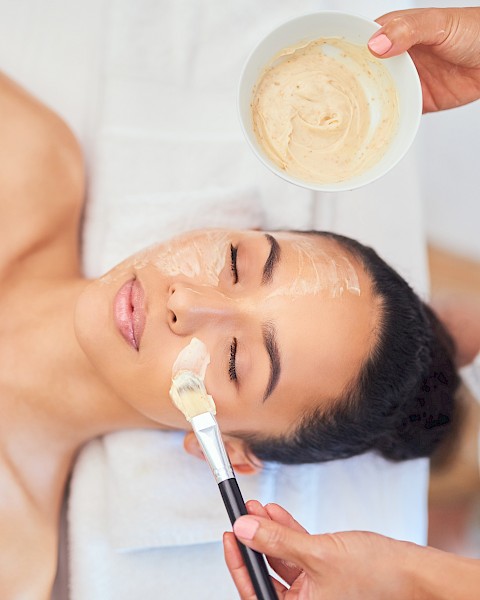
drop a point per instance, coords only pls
(471, 375)
(153, 101)
(166, 214)
(146, 519)
(162, 512)
(141, 508)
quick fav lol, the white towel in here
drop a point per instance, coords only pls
(141, 510)
(471, 376)
(162, 136)
(146, 519)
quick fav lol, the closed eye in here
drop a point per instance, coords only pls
(233, 262)
(232, 371)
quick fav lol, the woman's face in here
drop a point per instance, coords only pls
(287, 320)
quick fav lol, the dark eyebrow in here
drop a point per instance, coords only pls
(272, 260)
(270, 341)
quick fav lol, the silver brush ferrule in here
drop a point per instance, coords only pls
(208, 435)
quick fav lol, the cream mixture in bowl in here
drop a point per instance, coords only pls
(320, 110)
(312, 113)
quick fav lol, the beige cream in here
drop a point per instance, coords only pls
(325, 111)
(205, 255)
(194, 358)
(318, 270)
(188, 391)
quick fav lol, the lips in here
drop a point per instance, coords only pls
(129, 312)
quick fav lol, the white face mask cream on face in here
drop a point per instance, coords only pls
(201, 255)
(204, 256)
(194, 358)
(319, 271)
(188, 374)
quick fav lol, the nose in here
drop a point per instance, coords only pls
(192, 307)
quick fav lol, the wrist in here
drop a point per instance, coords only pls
(436, 575)
(411, 573)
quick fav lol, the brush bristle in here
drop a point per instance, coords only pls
(189, 395)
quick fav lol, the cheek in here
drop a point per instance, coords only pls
(92, 314)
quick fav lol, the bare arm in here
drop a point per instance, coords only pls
(41, 181)
(439, 575)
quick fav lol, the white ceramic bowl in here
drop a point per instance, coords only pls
(353, 29)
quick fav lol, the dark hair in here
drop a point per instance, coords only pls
(401, 404)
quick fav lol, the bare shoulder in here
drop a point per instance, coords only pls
(28, 546)
(41, 180)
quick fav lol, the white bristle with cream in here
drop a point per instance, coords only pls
(188, 391)
(189, 395)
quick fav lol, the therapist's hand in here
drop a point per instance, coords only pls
(349, 565)
(444, 43)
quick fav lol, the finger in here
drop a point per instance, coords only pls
(274, 540)
(298, 588)
(280, 515)
(254, 507)
(397, 13)
(237, 568)
(287, 570)
(403, 29)
(239, 572)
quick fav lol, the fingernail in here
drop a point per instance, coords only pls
(380, 44)
(245, 527)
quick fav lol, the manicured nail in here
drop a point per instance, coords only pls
(380, 44)
(245, 527)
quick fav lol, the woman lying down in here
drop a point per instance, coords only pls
(318, 349)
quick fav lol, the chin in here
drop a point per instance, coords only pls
(141, 383)
(95, 328)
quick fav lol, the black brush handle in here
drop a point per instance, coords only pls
(254, 561)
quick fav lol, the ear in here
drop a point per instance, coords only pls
(243, 462)
(191, 445)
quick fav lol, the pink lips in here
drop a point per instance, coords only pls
(129, 312)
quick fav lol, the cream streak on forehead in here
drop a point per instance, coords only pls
(201, 255)
(319, 270)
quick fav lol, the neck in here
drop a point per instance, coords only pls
(52, 400)
(60, 390)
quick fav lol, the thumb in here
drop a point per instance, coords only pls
(403, 29)
(275, 540)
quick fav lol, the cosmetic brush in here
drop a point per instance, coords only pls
(189, 395)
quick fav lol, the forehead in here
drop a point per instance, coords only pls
(314, 262)
(325, 318)
(317, 265)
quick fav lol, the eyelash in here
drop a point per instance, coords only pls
(233, 263)
(232, 372)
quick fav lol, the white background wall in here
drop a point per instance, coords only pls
(450, 143)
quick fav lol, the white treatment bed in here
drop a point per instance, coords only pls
(150, 87)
